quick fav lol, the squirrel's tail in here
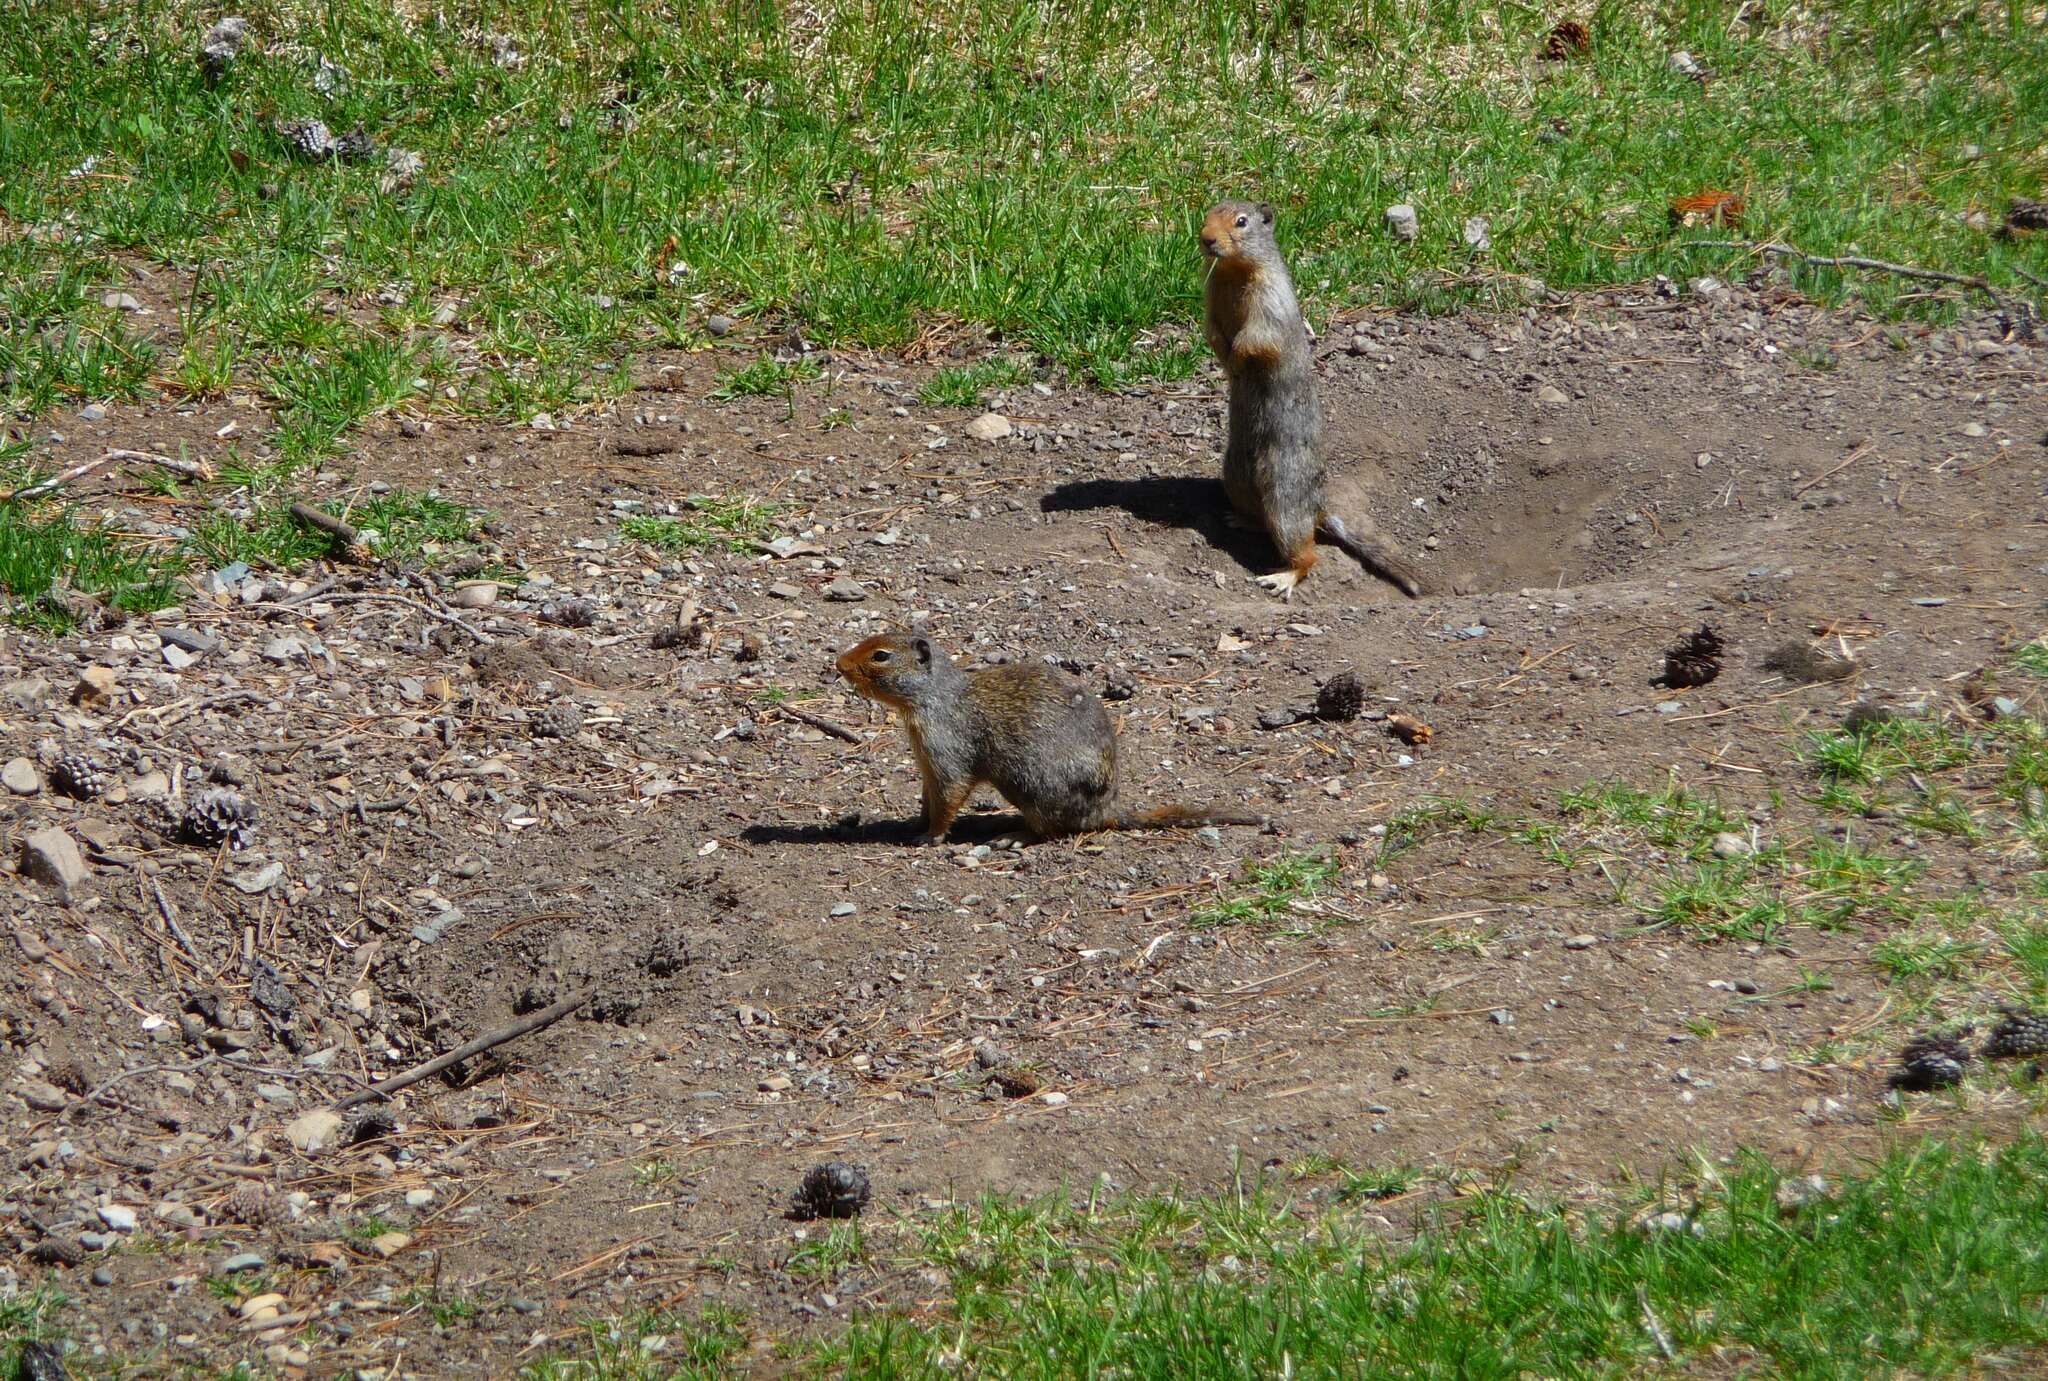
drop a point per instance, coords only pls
(1373, 556)
(1180, 817)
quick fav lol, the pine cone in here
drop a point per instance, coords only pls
(2026, 214)
(254, 1205)
(2018, 1034)
(570, 613)
(78, 776)
(309, 139)
(219, 816)
(559, 720)
(1566, 40)
(1695, 661)
(356, 146)
(832, 1190)
(1933, 1061)
(1341, 698)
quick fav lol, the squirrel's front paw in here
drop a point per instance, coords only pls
(1281, 583)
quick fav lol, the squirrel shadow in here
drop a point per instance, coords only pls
(1199, 505)
(967, 829)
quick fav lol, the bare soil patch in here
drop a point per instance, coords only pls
(784, 980)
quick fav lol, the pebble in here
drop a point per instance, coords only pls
(119, 1217)
(243, 1261)
(782, 589)
(719, 324)
(100, 1276)
(390, 1243)
(845, 908)
(1478, 234)
(1795, 1194)
(1054, 1099)
(94, 684)
(1685, 64)
(473, 594)
(1669, 706)
(266, 1306)
(1729, 844)
(418, 1198)
(1582, 942)
(1501, 1016)
(1402, 222)
(1767, 1065)
(846, 590)
(1745, 985)
(20, 777)
(315, 1131)
(50, 856)
(1976, 429)
(121, 302)
(990, 426)
(92, 412)
(1552, 395)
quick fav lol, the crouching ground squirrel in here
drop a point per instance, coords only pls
(1272, 466)
(1036, 735)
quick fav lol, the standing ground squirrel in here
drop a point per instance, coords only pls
(1036, 735)
(1272, 467)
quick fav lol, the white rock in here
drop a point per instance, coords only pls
(119, 1217)
(1552, 396)
(1478, 234)
(315, 1131)
(1729, 844)
(474, 594)
(20, 777)
(990, 426)
(1402, 222)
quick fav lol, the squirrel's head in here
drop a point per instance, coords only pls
(1232, 228)
(890, 667)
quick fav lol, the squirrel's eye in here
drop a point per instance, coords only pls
(879, 658)
(1243, 221)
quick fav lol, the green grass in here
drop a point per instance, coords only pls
(869, 170)
(42, 553)
(1926, 1265)
(711, 524)
(652, 1347)
(968, 386)
(764, 378)
(1282, 889)
(2032, 658)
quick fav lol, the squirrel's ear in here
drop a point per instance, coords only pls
(924, 650)
(1266, 211)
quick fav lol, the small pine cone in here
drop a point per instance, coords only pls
(309, 139)
(159, 817)
(2026, 214)
(570, 613)
(1341, 698)
(68, 1073)
(832, 1190)
(219, 816)
(1932, 1062)
(374, 1125)
(254, 1205)
(78, 776)
(2018, 1034)
(356, 146)
(57, 1251)
(559, 720)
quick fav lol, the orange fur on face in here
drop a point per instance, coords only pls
(866, 676)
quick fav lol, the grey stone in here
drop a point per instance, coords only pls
(720, 324)
(51, 856)
(846, 590)
(1478, 234)
(20, 777)
(990, 426)
(1729, 844)
(243, 1261)
(119, 1217)
(1402, 223)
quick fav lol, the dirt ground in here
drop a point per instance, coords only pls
(782, 979)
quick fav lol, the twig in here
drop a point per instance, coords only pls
(163, 904)
(1857, 261)
(58, 480)
(533, 1021)
(455, 619)
(819, 722)
(1847, 461)
(2036, 279)
(191, 469)
(93, 1097)
(334, 527)
(1656, 1328)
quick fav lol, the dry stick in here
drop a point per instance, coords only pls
(410, 604)
(1857, 261)
(533, 1021)
(819, 722)
(325, 522)
(163, 904)
(1852, 458)
(191, 469)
